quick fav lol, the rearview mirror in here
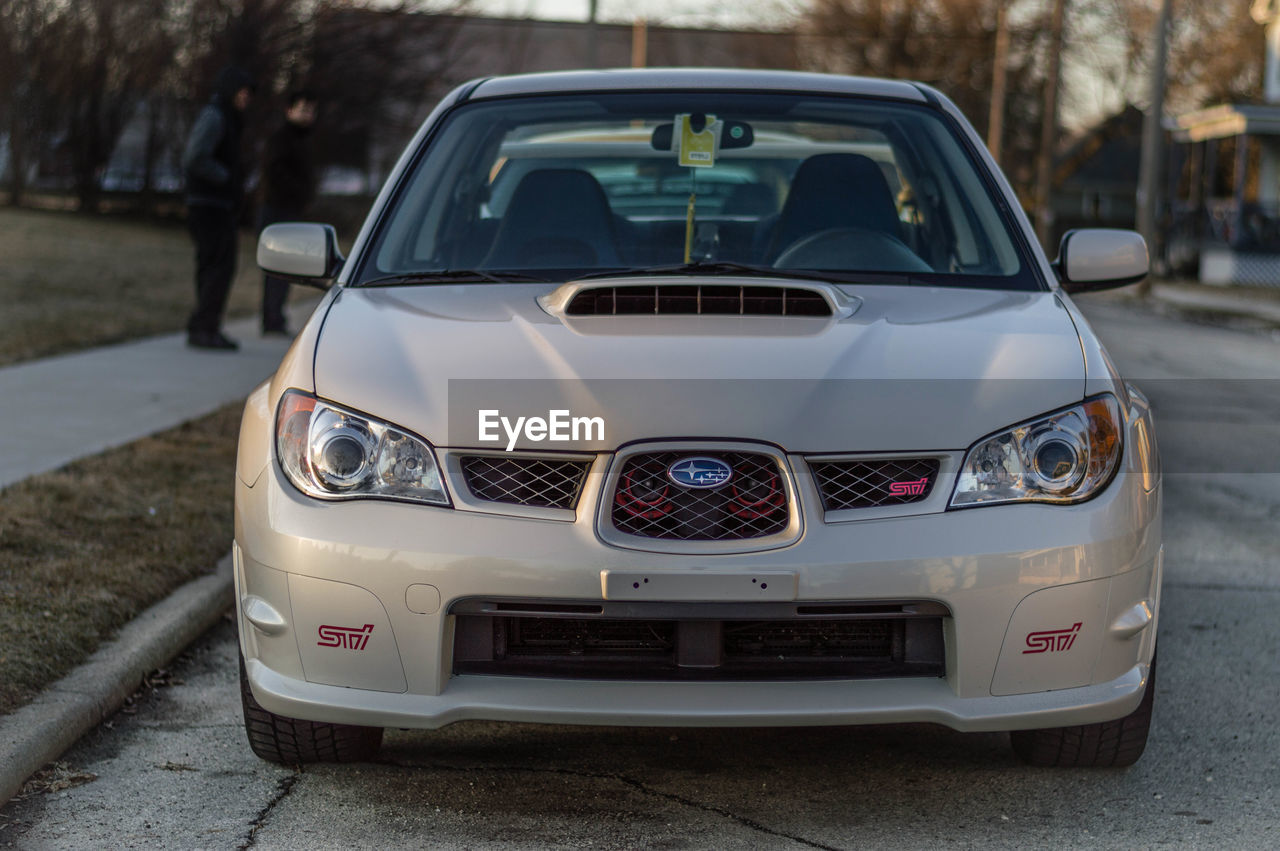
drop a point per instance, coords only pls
(733, 134)
(1101, 259)
(301, 253)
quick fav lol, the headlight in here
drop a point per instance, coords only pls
(332, 453)
(1064, 457)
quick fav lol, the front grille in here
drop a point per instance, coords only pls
(870, 484)
(698, 300)
(541, 482)
(901, 644)
(752, 503)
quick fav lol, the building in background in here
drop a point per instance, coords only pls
(1095, 180)
(492, 46)
(1223, 220)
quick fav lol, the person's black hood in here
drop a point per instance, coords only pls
(231, 80)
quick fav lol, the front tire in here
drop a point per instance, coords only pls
(1109, 744)
(290, 741)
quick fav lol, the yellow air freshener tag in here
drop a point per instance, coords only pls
(698, 148)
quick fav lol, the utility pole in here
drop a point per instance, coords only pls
(1049, 129)
(1153, 143)
(593, 34)
(999, 76)
(639, 43)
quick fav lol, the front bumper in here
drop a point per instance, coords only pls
(722, 704)
(1006, 574)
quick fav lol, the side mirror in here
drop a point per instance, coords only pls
(301, 253)
(1101, 259)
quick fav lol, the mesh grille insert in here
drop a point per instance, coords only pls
(751, 504)
(695, 300)
(541, 482)
(870, 484)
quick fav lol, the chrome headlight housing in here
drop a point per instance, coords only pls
(1063, 457)
(329, 452)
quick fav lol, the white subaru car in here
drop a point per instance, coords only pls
(698, 397)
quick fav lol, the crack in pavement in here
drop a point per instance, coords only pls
(283, 787)
(618, 778)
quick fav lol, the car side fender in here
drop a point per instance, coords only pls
(253, 452)
(296, 370)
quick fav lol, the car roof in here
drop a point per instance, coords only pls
(675, 79)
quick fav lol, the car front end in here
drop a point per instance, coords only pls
(559, 480)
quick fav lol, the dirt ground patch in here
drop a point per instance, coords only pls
(70, 281)
(86, 548)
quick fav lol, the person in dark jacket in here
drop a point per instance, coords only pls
(289, 185)
(215, 184)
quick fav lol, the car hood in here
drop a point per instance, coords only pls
(896, 369)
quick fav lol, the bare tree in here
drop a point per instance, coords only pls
(375, 66)
(26, 57)
(1216, 50)
(121, 45)
(377, 71)
(949, 44)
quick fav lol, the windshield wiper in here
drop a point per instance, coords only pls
(726, 267)
(452, 276)
(697, 267)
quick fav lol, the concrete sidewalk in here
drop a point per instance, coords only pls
(71, 406)
(1233, 301)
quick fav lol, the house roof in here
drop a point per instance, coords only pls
(1225, 120)
(1106, 157)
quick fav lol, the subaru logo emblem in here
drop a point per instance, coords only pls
(699, 472)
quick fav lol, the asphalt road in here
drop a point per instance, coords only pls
(176, 771)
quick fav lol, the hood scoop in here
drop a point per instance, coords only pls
(706, 298)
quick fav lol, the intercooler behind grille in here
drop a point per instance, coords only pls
(851, 643)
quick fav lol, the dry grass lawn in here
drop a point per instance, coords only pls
(86, 548)
(70, 281)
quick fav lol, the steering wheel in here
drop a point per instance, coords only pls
(551, 252)
(863, 249)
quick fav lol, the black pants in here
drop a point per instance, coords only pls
(275, 291)
(214, 231)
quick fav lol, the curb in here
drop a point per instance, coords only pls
(1228, 306)
(41, 731)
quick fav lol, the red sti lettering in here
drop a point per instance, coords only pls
(1052, 641)
(347, 637)
(914, 488)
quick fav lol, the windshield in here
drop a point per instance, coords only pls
(557, 187)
